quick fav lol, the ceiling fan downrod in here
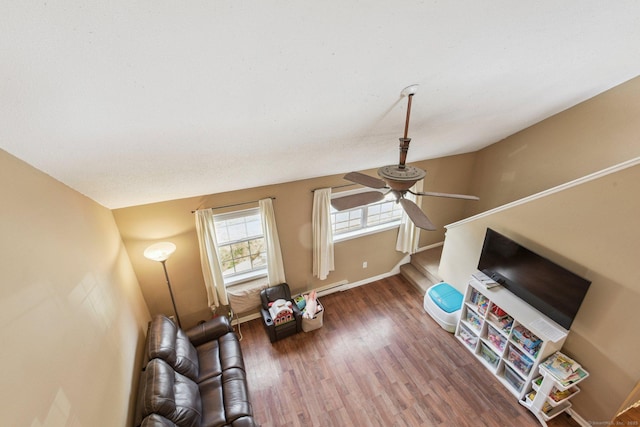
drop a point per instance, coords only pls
(404, 142)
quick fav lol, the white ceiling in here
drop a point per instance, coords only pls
(132, 102)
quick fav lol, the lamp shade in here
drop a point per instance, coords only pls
(160, 251)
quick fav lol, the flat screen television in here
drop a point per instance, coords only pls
(551, 289)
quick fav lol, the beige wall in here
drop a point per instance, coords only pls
(599, 241)
(71, 310)
(593, 229)
(142, 225)
(591, 136)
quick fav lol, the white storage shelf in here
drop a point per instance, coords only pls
(499, 328)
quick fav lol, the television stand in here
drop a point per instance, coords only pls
(508, 336)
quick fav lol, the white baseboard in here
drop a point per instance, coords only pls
(359, 283)
(339, 287)
(325, 290)
(578, 418)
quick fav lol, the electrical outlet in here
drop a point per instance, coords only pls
(364, 264)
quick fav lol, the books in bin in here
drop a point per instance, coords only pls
(565, 369)
(529, 342)
(574, 378)
(558, 395)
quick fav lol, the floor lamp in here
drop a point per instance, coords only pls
(161, 252)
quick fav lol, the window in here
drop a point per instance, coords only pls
(366, 219)
(241, 245)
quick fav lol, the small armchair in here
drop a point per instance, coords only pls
(282, 330)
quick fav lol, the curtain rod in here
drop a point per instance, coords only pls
(335, 186)
(237, 204)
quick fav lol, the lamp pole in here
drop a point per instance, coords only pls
(173, 301)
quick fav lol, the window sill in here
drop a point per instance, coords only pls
(244, 278)
(366, 231)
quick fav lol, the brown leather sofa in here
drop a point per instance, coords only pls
(194, 378)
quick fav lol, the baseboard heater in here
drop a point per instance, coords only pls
(329, 289)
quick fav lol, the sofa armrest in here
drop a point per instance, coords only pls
(266, 317)
(210, 330)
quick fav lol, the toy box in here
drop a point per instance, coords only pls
(519, 360)
(496, 339)
(529, 342)
(487, 354)
(474, 320)
(315, 323)
(513, 379)
(467, 336)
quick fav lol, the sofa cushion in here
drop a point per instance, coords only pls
(236, 398)
(171, 344)
(170, 394)
(211, 392)
(186, 356)
(230, 352)
(219, 355)
(227, 398)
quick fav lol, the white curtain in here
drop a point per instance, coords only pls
(275, 266)
(213, 281)
(322, 233)
(408, 233)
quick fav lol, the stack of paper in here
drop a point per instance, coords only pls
(566, 370)
(560, 366)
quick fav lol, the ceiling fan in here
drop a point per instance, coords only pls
(397, 179)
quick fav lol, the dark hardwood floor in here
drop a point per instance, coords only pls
(379, 360)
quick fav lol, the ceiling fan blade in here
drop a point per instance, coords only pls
(416, 215)
(366, 180)
(450, 195)
(355, 200)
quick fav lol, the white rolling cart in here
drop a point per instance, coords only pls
(550, 396)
